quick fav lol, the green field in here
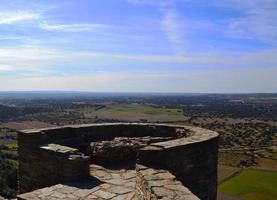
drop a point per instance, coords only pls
(134, 112)
(252, 184)
(141, 109)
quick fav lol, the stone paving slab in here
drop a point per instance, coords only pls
(111, 184)
(117, 184)
(120, 182)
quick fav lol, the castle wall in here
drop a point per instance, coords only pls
(51, 156)
(40, 167)
(194, 164)
(48, 165)
(154, 184)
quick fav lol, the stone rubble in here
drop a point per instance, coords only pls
(122, 148)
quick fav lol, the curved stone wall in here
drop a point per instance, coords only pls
(193, 160)
(154, 184)
(51, 156)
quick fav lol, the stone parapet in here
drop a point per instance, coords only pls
(154, 184)
(193, 160)
(50, 164)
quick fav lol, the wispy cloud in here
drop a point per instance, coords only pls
(17, 16)
(256, 80)
(173, 30)
(30, 59)
(257, 20)
(152, 3)
(74, 27)
(162, 47)
(4, 68)
(10, 38)
(259, 23)
(171, 22)
(20, 60)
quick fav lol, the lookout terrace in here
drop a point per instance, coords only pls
(128, 161)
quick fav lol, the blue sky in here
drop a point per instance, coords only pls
(139, 45)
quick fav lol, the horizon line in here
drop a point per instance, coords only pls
(126, 92)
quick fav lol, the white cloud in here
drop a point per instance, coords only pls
(257, 20)
(100, 81)
(22, 59)
(4, 68)
(173, 30)
(259, 23)
(74, 27)
(17, 16)
(45, 60)
(221, 80)
(171, 22)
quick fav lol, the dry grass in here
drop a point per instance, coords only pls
(225, 172)
(232, 159)
(266, 164)
(134, 112)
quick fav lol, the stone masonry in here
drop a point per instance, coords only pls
(134, 161)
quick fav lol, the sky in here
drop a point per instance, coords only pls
(202, 46)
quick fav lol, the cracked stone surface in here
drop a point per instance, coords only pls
(117, 184)
(113, 184)
(160, 184)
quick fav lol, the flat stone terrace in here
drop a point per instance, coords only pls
(117, 184)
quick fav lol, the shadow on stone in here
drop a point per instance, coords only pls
(128, 165)
(88, 183)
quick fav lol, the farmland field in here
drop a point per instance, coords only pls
(252, 184)
(267, 164)
(225, 172)
(247, 128)
(134, 112)
(231, 159)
